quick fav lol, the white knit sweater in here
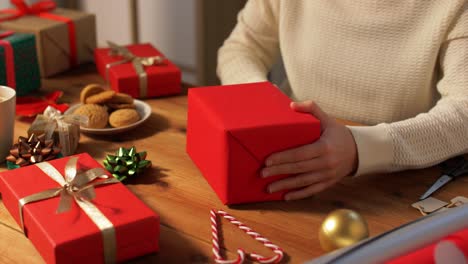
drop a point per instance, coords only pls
(399, 66)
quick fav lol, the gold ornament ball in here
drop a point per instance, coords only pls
(342, 228)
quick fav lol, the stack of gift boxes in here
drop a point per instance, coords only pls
(76, 210)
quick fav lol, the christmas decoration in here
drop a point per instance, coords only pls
(31, 150)
(241, 253)
(126, 163)
(342, 228)
(232, 129)
(73, 211)
(139, 70)
(34, 105)
(64, 129)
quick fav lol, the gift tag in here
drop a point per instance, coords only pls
(430, 205)
(459, 200)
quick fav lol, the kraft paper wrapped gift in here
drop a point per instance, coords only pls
(114, 226)
(139, 70)
(64, 38)
(232, 129)
(19, 68)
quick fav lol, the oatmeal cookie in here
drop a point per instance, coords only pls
(123, 117)
(100, 98)
(90, 90)
(121, 98)
(97, 115)
(121, 106)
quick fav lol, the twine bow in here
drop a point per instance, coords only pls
(137, 62)
(79, 187)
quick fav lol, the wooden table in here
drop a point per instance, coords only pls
(176, 190)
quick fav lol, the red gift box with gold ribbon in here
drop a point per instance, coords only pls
(64, 38)
(72, 213)
(138, 70)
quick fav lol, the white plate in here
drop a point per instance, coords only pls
(142, 108)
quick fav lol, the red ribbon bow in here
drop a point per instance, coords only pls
(9, 59)
(23, 9)
(33, 105)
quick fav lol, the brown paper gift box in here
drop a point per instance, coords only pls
(52, 38)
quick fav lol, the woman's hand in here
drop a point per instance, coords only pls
(316, 166)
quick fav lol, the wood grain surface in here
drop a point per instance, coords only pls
(176, 190)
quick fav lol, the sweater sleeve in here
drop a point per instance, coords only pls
(428, 138)
(252, 48)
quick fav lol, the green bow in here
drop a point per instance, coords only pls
(126, 163)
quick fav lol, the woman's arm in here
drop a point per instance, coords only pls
(431, 137)
(422, 141)
(252, 48)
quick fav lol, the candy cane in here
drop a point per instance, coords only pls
(240, 252)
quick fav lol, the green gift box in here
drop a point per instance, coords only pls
(19, 67)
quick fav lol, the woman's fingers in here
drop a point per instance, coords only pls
(301, 153)
(313, 109)
(294, 167)
(309, 190)
(318, 165)
(298, 181)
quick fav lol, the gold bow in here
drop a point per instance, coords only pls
(78, 186)
(137, 62)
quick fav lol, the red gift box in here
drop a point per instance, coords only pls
(232, 129)
(161, 79)
(72, 237)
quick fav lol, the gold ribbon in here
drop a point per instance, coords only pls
(77, 186)
(137, 62)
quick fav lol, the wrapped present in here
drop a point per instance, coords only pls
(232, 129)
(138, 70)
(73, 211)
(64, 129)
(64, 38)
(18, 62)
(451, 249)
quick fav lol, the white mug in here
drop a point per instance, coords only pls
(7, 120)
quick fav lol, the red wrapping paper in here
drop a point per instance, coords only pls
(232, 129)
(72, 237)
(164, 79)
(427, 254)
(9, 59)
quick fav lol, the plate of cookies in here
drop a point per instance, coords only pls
(109, 112)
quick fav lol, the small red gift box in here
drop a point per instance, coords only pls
(72, 236)
(159, 79)
(232, 129)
